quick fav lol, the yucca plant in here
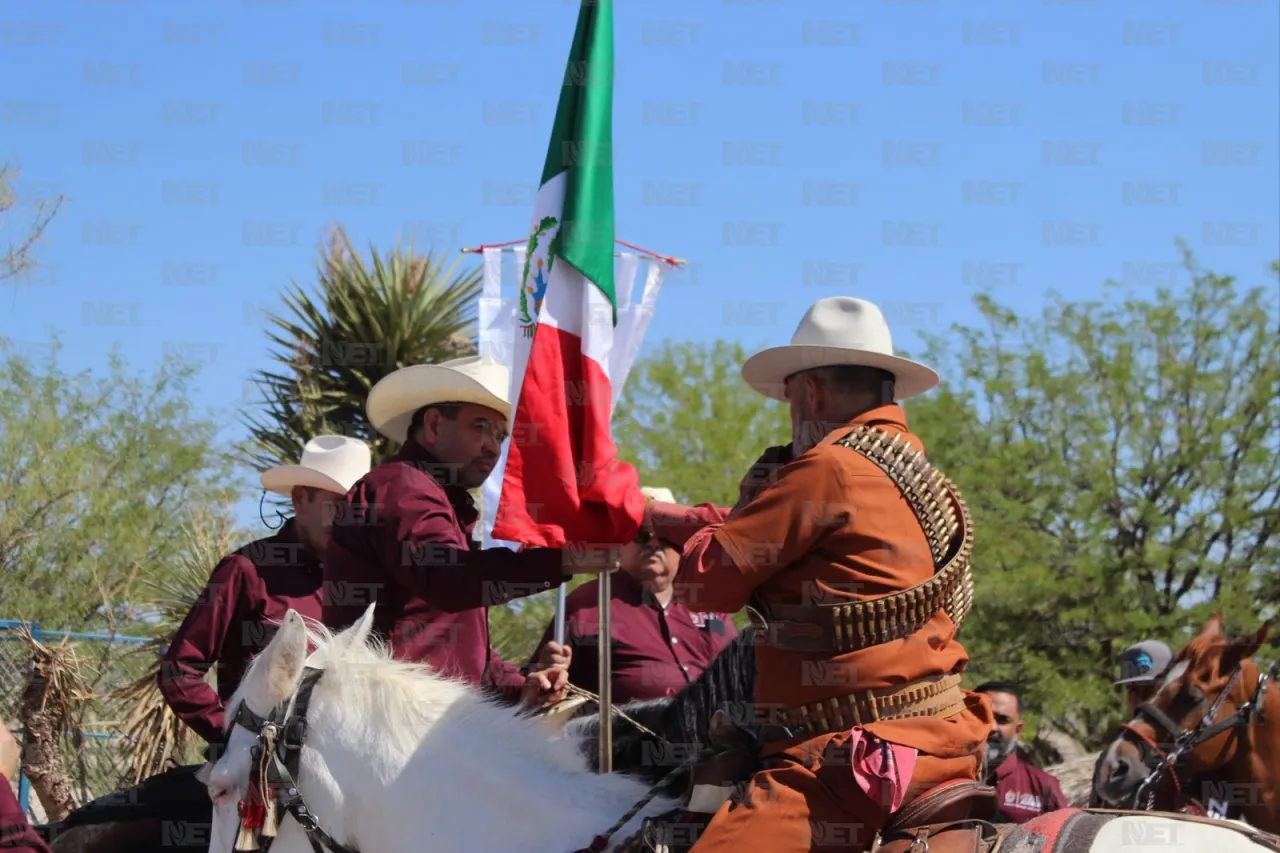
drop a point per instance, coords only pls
(52, 714)
(366, 320)
(153, 738)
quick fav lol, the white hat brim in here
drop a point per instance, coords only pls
(394, 399)
(767, 370)
(284, 478)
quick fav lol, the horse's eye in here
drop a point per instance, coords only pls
(221, 793)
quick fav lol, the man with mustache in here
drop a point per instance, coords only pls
(403, 537)
(1023, 790)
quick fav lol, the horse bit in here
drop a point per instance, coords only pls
(275, 770)
(1186, 740)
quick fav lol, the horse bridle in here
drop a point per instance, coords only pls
(276, 756)
(1186, 740)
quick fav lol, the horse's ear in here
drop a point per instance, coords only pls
(281, 663)
(357, 634)
(1245, 647)
(1213, 629)
(362, 629)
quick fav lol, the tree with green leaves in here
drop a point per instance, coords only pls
(99, 475)
(689, 422)
(18, 260)
(366, 320)
(1122, 462)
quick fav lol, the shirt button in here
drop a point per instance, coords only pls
(675, 641)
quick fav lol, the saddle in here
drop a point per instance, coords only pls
(954, 817)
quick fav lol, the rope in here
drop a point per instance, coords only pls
(578, 691)
(601, 841)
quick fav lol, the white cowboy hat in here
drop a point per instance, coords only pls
(330, 462)
(659, 494)
(475, 379)
(835, 331)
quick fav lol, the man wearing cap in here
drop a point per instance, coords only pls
(1141, 667)
(872, 690)
(659, 645)
(405, 539)
(248, 593)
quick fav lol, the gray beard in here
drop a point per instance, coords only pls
(998, 751)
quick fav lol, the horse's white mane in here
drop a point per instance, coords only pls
(368, 684)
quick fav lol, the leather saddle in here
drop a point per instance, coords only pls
(954, 817)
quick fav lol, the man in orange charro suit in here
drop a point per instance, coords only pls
(865, 700)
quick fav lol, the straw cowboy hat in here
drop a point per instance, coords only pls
(837, 330)
(330, 462)
(475, 379)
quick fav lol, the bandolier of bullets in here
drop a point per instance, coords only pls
(942, 514)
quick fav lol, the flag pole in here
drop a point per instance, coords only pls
(605, 674)
(560, 606)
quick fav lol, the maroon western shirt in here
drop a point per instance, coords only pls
(16, 834)
(403, 539)
(235, 617)
(1025, 791)
(655, 652)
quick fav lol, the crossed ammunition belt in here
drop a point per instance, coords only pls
(948, 527)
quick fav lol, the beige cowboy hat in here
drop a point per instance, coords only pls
(330, 462)
(475, 379)
(660, 495)
(835, 331)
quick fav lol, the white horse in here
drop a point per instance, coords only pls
(400, 760)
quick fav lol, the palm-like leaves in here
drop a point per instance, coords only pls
(365, 322)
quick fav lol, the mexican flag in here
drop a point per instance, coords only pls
(563, 484)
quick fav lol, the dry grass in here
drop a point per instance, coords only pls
(1076, 778)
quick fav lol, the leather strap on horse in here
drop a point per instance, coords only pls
(938, 696)
(276, 757)
(948, 527)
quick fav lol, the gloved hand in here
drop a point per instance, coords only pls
(762, 473)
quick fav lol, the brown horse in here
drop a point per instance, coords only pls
(1211, 732)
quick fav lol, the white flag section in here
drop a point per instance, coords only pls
(502, 339)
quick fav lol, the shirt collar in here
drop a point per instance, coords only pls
(288, 535)
(464, 506)
(891, 415)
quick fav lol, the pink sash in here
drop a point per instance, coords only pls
(883, 770)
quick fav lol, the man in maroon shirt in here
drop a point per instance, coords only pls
(16, 834)
(659, 646)
(251, 590)
(404, 538)
(234, 618)
(1023, 790)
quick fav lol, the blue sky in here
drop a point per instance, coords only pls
(907, 152)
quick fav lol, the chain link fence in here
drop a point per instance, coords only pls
(91, 754)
